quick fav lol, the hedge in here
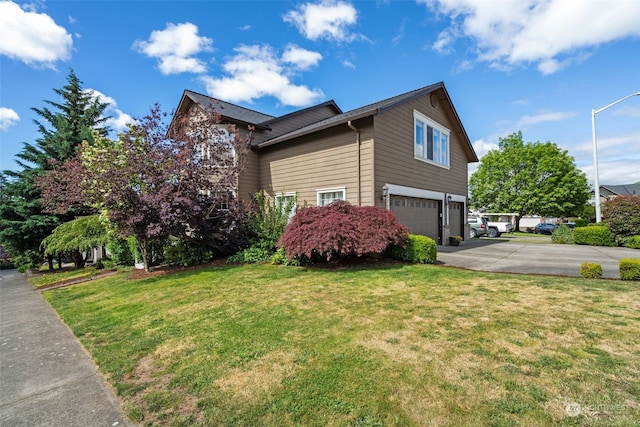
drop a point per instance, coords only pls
(418, 250)
(629, 269)
(590, 270)
(597, 235)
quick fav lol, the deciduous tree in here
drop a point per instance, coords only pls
(158, 181)
(530, 178)
(622, 213)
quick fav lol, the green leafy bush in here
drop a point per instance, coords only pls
(253, 255)
(590, 270)
(186, 253)
(120, 251)
(581, 222)
(562, 235)
(629, 269)
(280, 257)
(597, 235)
(632, 242)
(418, 250)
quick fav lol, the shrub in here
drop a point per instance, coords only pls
(418, 250)
(120, 251)
(597, 235)
(632, 242)
(590, 270)
(186, 253)
(581, 222)
(268, 220)
(562, 235)
(280, 257)
(622, 213)
(341, 229)
(253, 254)
(629, 269)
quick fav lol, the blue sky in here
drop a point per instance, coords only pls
(534, 66)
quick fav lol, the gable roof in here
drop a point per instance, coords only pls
(268, 122)
(226, 109)
(623, 190)
(370, 110)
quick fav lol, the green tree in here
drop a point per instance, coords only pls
(530, 178)
(74, 237)
(62, 127)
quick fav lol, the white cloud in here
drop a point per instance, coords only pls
(552, 34)
(627, 111)
(256, 71)
(8, 118)
(33, 38)
(119, 119)
(301, 58)
(329, 19)
(556, 116)
(175, 48)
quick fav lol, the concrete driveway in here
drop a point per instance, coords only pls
(520, 254)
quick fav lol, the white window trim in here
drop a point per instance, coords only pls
(288, 194)
(330, 190)
(433, 124)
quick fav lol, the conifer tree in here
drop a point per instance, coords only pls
(62, 126)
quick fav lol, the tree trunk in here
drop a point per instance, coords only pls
(50, 261)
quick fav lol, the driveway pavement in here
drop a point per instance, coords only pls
(46, 377)
(517, 254)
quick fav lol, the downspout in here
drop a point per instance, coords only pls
(355, 129)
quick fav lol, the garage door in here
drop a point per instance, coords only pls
(455, 219)
(422, 216)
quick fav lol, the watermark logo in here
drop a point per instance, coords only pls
(572, 409)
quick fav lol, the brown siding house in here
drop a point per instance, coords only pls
(408, 153)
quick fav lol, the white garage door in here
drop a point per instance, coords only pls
(422, 216)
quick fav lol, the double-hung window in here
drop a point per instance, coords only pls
(286, 201)
(431, 140)
(327, 196)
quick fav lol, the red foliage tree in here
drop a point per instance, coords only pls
(622, 213)
(159, 180)
(341, 229)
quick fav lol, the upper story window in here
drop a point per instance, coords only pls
(218, 150)
(431, 140)
(328, 195)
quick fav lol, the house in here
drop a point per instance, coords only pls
(408, 153)
(610, 191)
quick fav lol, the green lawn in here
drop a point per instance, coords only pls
(394, 345)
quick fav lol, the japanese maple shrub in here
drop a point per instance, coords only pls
(341, 230)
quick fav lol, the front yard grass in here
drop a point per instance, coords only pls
(388, 345)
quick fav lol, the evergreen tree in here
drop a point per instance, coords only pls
(62, 126)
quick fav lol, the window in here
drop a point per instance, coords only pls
(328, 195)
(287, 201)
(431, 141)
(218, 150)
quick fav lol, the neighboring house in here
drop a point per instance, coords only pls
(408, 154)
(610, 191)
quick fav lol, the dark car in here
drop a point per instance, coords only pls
(545, 228)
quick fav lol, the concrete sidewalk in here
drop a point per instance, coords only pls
(46, 376)
(519, 255)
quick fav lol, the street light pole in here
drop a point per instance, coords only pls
(595, 152)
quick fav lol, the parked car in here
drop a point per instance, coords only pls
(545, 228)
(477, 226)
